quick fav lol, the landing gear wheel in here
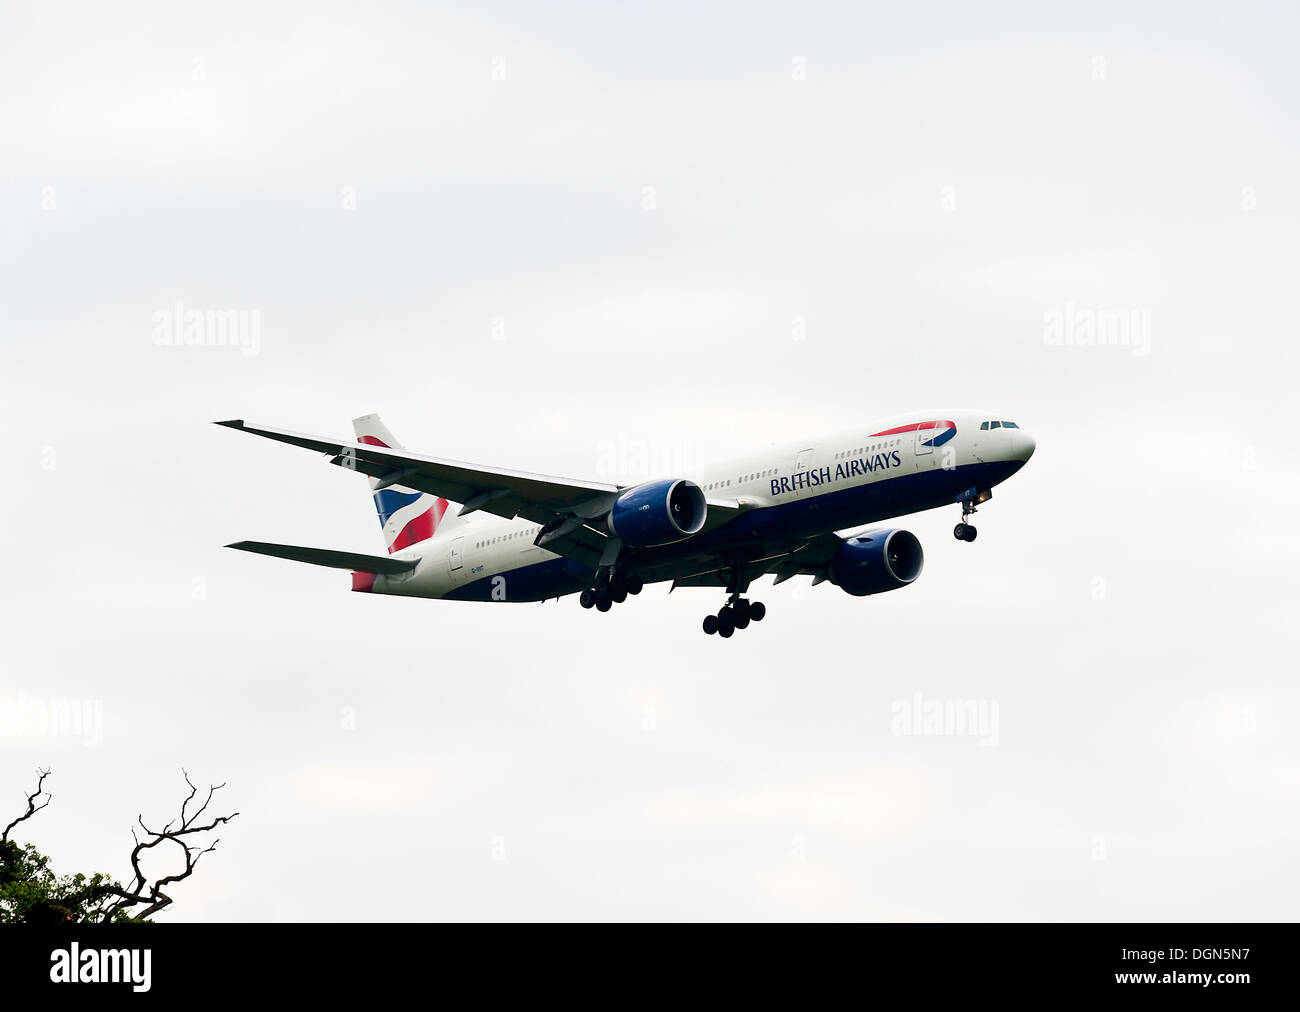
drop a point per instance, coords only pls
(603, 604)
(634, 585)
(726, 624)
(587, 598)
(742, 620)
(757, 609)
(710, 624)
(964, 531)
(741, 610)
(618, 595)
(618, 586)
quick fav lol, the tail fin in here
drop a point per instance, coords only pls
(407, 516)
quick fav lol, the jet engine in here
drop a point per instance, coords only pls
(658, 513)
(877, 561)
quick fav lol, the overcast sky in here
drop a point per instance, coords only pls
(597, 241)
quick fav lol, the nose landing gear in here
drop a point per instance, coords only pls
(964, 531)
(737, 613)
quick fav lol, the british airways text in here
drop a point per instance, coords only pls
(844, 469)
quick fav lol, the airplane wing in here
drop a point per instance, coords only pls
(809, 559)
(722, 510)
(567, 509)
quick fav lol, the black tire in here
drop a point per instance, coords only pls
(603, 604)
(618, 595)
(970, 533)
(757, 609)
(741, 610)
(617, 586)
(959, 532)
(742, 621)
(710, 624)
(635, 585)
(725, 631)
(726, 623)
(587, 598)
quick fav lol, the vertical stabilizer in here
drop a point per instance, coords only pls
(407, 516)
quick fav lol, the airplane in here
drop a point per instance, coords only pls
(518, 536)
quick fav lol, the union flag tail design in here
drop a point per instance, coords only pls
(407, 516)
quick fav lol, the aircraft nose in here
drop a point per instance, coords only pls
(1022, 445)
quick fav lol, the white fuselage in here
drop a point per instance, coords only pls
(482, 546)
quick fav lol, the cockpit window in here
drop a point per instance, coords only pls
(984, 426)
(1010, 425)
(995, 425)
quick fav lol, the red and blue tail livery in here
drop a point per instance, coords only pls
(406, 516)
(518, 536)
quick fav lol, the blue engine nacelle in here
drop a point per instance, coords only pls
(658, 513)
(877, 561)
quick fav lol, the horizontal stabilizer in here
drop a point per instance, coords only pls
(324, 557)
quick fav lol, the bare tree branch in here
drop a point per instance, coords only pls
(32, 806)
(179, 831)
(101, 900)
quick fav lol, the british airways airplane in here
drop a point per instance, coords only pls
(530, 537)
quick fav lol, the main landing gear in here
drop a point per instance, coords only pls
(611, 589)
(737, 613)
(964, 531)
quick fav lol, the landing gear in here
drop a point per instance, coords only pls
(737, 613)
(964, 531)
(611, 588)
(726, 623)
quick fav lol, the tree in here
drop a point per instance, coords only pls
(30, 892)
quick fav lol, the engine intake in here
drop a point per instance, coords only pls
(658, 513)
(877, 561)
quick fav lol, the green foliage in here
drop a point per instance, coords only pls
(30, 891)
